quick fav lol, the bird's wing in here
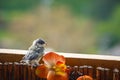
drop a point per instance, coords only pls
(33, 56)
(33, 53)
(27, 55)
(33, 47)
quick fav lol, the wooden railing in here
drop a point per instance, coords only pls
(102, 65)
(17, 71)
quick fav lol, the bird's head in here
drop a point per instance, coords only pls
(39, 42)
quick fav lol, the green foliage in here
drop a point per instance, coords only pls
(22, 5)
(77, 6)
(4, 33)
(97, 9)
(102, 16)
(112, 25)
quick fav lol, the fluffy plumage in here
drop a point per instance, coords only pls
(34, 53)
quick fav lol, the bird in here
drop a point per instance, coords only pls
(34, 53)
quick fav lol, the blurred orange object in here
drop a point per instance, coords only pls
(54, 67)
(85, 77)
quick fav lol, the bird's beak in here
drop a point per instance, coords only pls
(45, 44)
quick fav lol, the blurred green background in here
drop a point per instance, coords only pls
(77, 26)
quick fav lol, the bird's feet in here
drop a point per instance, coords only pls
(34, 65)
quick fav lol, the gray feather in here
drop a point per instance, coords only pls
(35, 52)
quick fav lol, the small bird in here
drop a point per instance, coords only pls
(34, 53)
